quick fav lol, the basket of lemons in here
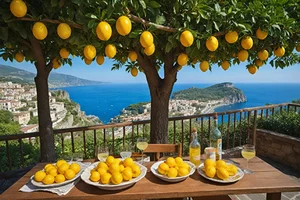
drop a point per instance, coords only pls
(220, 171)
(114, 173)
(173, 169)
(56, 174)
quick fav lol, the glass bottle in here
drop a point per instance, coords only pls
(195, 150)
(215, 138)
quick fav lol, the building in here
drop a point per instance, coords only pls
(10, 105)
(30, 128)
(22, 117)
(57, 107)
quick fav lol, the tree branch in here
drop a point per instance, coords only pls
(53, 21)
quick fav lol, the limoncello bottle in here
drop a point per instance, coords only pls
(195, 150)
(215, 138)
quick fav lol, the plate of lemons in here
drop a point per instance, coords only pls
(57, 174)
(114, 173)
(220, 171)
(173, 169)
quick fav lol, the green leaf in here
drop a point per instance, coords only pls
(92, 16)
(217, 7)
(216, 26)
(169, 47)
(143, 4)
(91, 23)
(154, 4)
(54, 3)
(160, 20)
(198, 44)
(4, 33)
(276, 26)
(77, 2)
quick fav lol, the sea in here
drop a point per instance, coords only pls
(108, 99)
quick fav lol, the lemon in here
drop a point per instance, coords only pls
(56, 64)
(64, 31)
(64, 53)
(136, 171)
(231, 37)
(75, 167)
(69, 174)
(182, 59)
(170, 162)
(95, 176)
(105, 178)
(222, 173)
(103, 31)
(247, 42)
(209, 162)
(134, 71)
(279, 52)
(204, 66)
(183, 171)
(19, 57)
(263, 54)
(116, 178)
(59, 178)
(109, 160)
(132, 56)
(172, 173)
(64, 167)
(163, 168)
(258, 63)
(127, 174)
(243, 55)
(117, 161)
(123, 25)
(49, 168)
(225, 65)
(60, 162)
(53, 171)
(178, 160)
(89, 52)
(260, 34)
(18, 8)
(149, 50)
(87, 61)
(48, 165)
(252, 69)
(49, 179)
(110, 50)
(39, 30)
(146, 39)
(186, 38)
(101, 171)
(39, 176)
(128, 162)
(184, 165)
(122, 168)
(298, 48)
(100, 60)
(115, 167)
(210, 171)
(102, 165)
(212, 43)
(232, 169)
(221, 163)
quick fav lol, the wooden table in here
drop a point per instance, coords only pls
(265, 179)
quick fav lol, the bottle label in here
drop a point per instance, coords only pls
(219, 149)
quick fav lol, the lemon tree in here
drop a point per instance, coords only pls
(146, 36)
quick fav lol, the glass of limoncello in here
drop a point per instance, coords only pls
(248, 152)
(102, 153)
(142, 144)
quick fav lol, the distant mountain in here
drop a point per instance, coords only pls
(8, 73)
(225, 91)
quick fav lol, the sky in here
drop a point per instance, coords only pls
(235, 74)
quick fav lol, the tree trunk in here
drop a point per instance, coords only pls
(45, 123)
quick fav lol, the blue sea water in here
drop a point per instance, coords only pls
(108, 99)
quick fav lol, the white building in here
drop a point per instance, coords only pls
(9, 105)
(22, 117)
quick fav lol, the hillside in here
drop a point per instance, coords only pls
(225, 91)
(8, 73)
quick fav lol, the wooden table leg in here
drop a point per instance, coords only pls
(274, 196)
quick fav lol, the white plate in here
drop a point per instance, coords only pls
(42, 185)
(154, 168)
(85, 176)
(239, 175)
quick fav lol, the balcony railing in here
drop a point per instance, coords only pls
(235, 125)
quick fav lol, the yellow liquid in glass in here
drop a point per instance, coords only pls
(248, 154)
(142, 145)
(195, 156)
(102, 156)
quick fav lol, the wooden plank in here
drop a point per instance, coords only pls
(182, 134)
(268, 181)
(174, 132)
(240, 129)
(201, 136)
(234, 119)
(21, 152)
(95, 141)
(228, 132)
(84, 143)
(113, 140)
(274, 196)
(62, 143)
(8, 154)
(124, 133)
(190, 130)
(254, 127)
(72, 140)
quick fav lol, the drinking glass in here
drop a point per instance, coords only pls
(248, 152)
(102, 153)
(142, 144)
(125, 151)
